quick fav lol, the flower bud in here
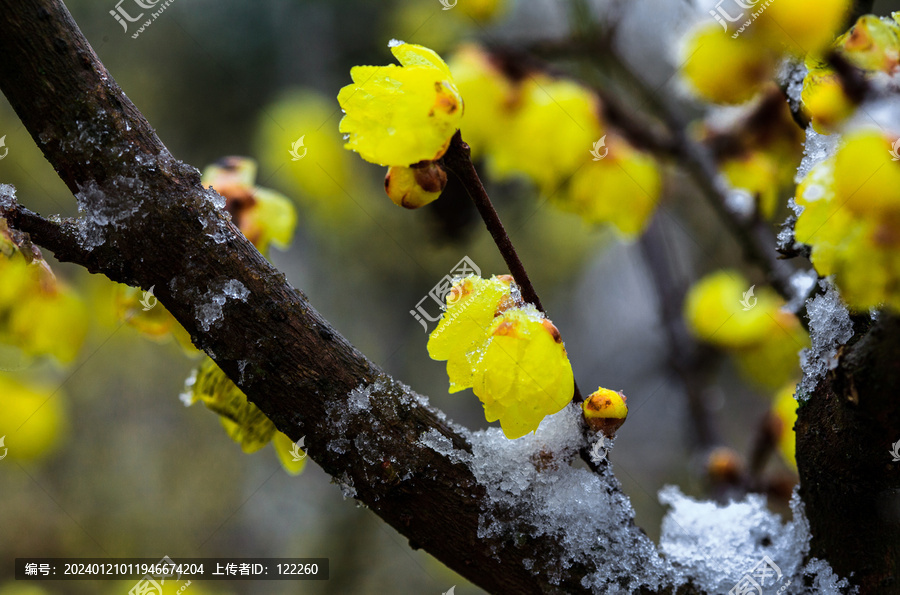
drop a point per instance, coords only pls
(415, 186)
(724, 466)
(605, 411)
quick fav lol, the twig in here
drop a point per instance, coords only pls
(458, 160)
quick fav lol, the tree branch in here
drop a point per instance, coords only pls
(146, 220)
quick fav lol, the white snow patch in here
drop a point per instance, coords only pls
(209, 310)
(829, 328)
(818, 148)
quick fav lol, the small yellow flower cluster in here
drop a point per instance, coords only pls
(243, 421)
(760, 152)
(873, 46)
(851, 218)
(403, 117)
(32, 423)
(724, 310)
(731, 64)
(39, 314)
(507, 352)
(550, 131)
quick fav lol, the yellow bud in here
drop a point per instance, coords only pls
(605, 411)
(415, 186)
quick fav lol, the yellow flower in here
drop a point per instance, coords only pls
(721, 310)
(471, 307)
(622, 189)
(285, 449)
(851, 219)
(243, 421)
(39, 314)
(263, 216)
(416, 186)
(785, 410)
(33, 420)
(523, 373)
(549, 134)
(400, 115)
(802, 26)
(490, 98)
(605, 410)
(322, 178)
(726, 70)
(508, 353)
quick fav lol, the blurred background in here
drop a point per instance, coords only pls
(117, 466)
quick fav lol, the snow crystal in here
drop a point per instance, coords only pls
(818, 148)
(209, 310)
(7, 197)
(358, 400)
(534, 491)
(187, 395)
(717, 545)
(829, 328)
(790, 77)
(802, 283)
(395, 42)
(105, 208)
(740, 202)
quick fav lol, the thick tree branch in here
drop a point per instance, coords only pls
(146, 220)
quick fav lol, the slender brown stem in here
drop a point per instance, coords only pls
(458, 160)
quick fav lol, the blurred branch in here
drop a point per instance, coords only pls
(687, 357)
(147, 220)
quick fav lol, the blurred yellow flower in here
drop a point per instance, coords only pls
(400, 115)
(725, 310)
(721, 69)
(243, 421)
(785, 410)
(39, 314)
(800, 27)
(321, 179)
(622, 189)
(33, 420)
(851, 218)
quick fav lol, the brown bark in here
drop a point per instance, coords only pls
(150, 223)
(848, 481)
